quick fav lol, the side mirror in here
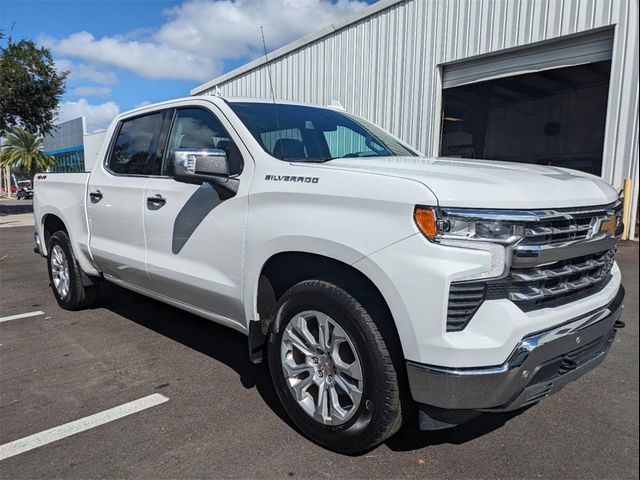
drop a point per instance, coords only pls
(199, 164)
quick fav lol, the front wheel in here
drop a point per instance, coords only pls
(332, 369)
(65, 275)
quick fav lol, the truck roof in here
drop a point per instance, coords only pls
(211, 98)
(268, 100)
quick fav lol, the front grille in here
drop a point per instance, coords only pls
(559, 230)
(568, 225)
(532, 288)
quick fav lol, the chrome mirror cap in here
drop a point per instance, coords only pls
(199, 163)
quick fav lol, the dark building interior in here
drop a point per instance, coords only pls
(552, 117)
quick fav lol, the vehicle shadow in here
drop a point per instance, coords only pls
(230, 347)
(216, 341)
(410, 437)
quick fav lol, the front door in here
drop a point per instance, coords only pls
(194, 232)
(115, 203)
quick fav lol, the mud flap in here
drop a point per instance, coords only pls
(257, 342)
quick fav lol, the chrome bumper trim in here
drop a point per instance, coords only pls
(514, 384)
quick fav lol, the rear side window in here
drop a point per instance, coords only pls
(134, 152)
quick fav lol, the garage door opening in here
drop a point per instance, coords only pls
(552, 117)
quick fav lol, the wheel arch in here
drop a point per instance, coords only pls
(51, 223)
(52, 220)
(284, 269)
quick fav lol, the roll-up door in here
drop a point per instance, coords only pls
(545, 103)
(576, 50)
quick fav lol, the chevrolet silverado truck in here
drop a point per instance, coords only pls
(375, 281)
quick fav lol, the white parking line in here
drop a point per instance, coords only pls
(21, 315)
(57, 433)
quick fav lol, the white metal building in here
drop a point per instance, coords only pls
(542, 81)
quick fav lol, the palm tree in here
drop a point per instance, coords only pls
(22, 150)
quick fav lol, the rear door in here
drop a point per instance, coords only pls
(116, 198)
(195, 231)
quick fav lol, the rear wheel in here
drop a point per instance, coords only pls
(65, 275)
(332, 369)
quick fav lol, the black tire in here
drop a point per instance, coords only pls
(380, 412)
(79, 296)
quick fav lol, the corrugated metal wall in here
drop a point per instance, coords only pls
(385, 67)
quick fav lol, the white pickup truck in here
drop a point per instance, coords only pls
(372, 278)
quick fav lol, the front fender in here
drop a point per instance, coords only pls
(293, 243)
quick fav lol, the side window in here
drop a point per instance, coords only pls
(134, 152)
(198, 128)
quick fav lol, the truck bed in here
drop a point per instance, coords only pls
(64, 195)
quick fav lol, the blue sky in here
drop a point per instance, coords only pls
(125, 53)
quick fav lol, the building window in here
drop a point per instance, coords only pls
(69, 162)
(552, 117)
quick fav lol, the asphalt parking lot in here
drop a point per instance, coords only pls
(15, 213)
(214, 414)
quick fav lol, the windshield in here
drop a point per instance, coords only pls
(308, 134)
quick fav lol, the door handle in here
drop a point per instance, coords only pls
(95, 196)
(156, 201)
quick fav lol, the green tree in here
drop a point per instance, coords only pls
(22, 150)
(30, 87)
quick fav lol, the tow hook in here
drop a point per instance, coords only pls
(619, 324)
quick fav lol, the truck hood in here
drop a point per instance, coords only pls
(490, 184)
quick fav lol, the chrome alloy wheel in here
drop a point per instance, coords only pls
(321, 367)
(60, 271)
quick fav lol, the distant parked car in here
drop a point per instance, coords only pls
(25, 190)
(25, 194)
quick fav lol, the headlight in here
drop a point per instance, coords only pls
(467, 229)
(440, 226)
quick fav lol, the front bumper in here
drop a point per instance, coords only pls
(541, 364)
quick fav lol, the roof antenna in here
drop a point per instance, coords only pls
(273, 95)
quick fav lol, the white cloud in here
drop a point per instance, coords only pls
(145, 58)
(84, 72)
(144, 103)
(226, 29)
(98, 116)
(92, 91)
(201, 34)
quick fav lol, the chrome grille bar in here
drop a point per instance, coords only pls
(540, 274)
(535, 284)
(565, 234)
